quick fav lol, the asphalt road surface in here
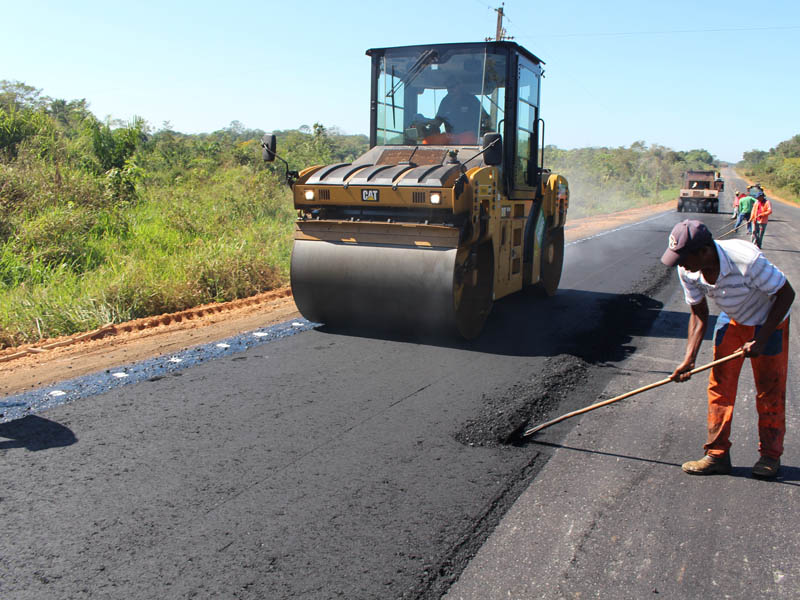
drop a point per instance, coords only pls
(337, 465)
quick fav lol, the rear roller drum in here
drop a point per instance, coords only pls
(473, 292)
(552, 261)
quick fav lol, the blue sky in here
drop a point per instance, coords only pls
(716, 75)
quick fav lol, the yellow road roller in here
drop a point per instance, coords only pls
(449, 209)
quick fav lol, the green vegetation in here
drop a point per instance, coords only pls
(606, 180)
(106, 222)
(779, 168)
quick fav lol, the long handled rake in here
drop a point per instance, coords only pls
(586, 409)
(728, 232)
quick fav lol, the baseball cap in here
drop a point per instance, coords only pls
(686, 237)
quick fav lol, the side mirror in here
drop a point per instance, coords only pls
(492, 149)
(268, 145)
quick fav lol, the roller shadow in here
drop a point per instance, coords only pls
(594, 326)
(35, 433)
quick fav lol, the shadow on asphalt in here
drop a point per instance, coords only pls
(787, 475)
(594, 326)
(600, 452)
(35, 433)
(768, 249)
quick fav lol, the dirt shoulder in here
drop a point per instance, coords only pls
(768, 191)
(34, 365)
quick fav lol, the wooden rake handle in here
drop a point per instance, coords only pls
(586, 409)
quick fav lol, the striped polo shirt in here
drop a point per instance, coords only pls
(746, 285)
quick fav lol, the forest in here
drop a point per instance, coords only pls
(108, 221)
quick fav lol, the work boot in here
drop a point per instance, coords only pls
(709, 465)
(766, 467)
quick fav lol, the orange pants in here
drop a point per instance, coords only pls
(769, 372)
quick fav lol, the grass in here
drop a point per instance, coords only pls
(72, 266)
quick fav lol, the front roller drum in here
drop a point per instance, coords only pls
(391, 287)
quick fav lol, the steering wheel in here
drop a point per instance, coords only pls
(425, 127)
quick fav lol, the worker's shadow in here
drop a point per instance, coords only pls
(784, 250)
(35, 433)
(788, 474)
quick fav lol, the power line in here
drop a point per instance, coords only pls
(486, 6)
(670, 31)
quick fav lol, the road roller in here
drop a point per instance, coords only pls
(451, 207)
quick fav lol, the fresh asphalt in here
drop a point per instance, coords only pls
(611, 515)
(333, 464)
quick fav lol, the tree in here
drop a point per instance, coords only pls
(789, 148)
(755, 157)
(17, 95)
(69, 115)
(113, 147)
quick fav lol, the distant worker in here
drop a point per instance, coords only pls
(736, 195)
(759, 216)
(754, 297)
(745, 206)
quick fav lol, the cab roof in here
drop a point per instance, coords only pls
(513, 46)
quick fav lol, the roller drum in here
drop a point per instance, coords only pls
(342, 284)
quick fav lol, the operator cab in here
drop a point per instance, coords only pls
(700, 185)
(454, 94)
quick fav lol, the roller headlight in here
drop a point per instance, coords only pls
(309, 194)
(436, 198)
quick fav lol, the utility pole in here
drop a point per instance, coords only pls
(499, 36)
(500, 33)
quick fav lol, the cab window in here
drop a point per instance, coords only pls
(527, 115)
(448, 96)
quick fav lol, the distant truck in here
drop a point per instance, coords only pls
(700, 191)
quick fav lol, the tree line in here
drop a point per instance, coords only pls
(603, 180)
(778, 168)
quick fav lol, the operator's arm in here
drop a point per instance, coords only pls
(783, 300)
(445, 109)
(698, 323)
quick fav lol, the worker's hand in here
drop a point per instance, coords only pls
(683, 372)
(753, 348)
